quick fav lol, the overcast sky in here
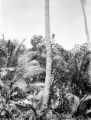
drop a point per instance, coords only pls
(21, 19)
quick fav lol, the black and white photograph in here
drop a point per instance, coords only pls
(45, 59)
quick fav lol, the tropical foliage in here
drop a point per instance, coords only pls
(22, 77)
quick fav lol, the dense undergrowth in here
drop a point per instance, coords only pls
(22, 77)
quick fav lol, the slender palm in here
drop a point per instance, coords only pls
(48, 56)
(85, 23)
(87, 34)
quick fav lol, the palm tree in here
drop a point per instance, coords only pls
(83, 2)
(87, 34)
(48, 56)
(82, 107)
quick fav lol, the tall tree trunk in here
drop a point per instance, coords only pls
(86, 26)
(87, 35)
(48, 56)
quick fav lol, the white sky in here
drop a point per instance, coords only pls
(21, 19)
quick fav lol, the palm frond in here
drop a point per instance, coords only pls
(84, 106)
(33, 71)
(13, 53)
(28, 70)
(18, 48)
(74, 100)
(25, 58)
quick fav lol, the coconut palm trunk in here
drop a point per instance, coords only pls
(86, 25)
(48, 57)
(87, 34)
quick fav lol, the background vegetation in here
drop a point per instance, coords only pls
(22, 77)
